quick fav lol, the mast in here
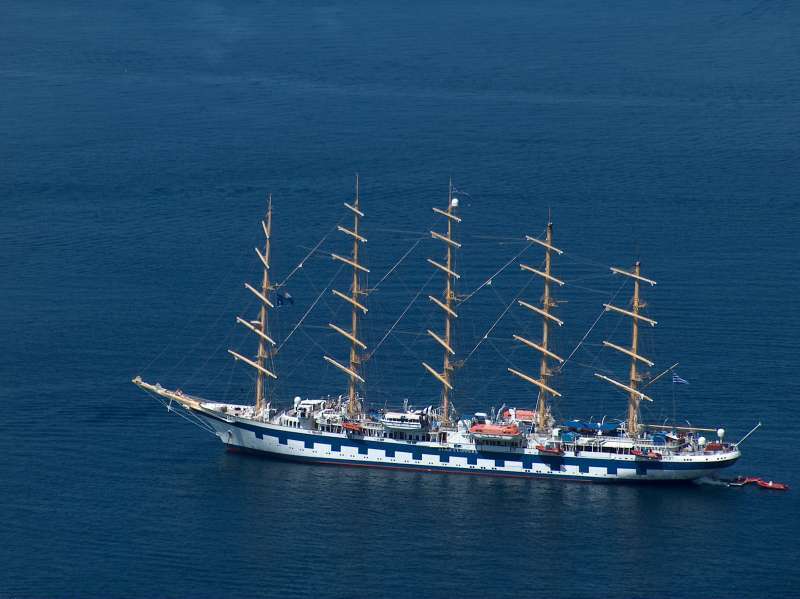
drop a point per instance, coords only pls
(633, 399)
(353, 371)
(543, 418)
(260, 327)
(446, 303)
(635, 396)
(262, 317)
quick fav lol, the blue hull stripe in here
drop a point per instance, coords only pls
(447, 470)
(555, 463)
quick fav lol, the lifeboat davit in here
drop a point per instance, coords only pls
(495, 432)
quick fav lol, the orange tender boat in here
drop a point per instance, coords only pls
(772, 485)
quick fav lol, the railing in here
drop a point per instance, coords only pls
(667, 450)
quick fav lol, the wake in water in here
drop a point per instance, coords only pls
(710, 480)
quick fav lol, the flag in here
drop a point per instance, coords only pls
(283, 297)
(676, 380)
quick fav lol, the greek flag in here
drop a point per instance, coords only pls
(676, 380)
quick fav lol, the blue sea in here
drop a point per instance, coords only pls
(139, 143)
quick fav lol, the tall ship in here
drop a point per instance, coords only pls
(529, 441)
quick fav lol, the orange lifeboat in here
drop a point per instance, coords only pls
(648, 455)
(352, 427)
(550, 450)
(521, 415)
(495, 432)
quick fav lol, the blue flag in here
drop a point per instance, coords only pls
(283, 298)
(676, 380)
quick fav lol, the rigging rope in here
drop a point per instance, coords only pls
(489, 280)
(591, 328)
(223, 281)
(499, 318)
(396, 322)
(319, 297)
(180, 411)
(308, 255)
(231, 332)
(391, 270)
(315, 342)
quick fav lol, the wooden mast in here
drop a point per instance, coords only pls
(261, 326)
(543, 418)
(262, 317)
(547, 303)
(635, 396)
(446, 304)
(353, 371)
